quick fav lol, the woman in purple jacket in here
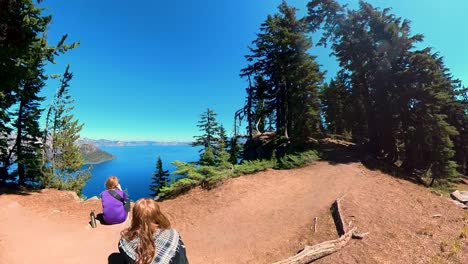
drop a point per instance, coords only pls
(113, 209)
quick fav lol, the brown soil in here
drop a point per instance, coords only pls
(258, 218)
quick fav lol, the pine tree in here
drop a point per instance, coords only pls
(405, 103)
(15, 38)
(285, 79)
(24, 52)
(221, 154)
(234, 149)
(337, 106)
(208, 140)
(160, 179)
(62, 170)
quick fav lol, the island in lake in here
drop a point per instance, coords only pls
(94, 155)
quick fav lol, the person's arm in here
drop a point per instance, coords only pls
(124, 196)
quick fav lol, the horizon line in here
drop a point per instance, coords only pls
(136, 140)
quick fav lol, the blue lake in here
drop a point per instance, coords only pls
(135, 165)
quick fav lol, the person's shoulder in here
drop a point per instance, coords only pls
(119, 191)
(168, 231)
(173, 232)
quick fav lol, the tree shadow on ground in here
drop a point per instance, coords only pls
(10, 188)
(338, 153)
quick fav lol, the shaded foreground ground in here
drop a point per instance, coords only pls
(259, 218)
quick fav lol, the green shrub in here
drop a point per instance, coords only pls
(252, 166)
(211, 176)
(179, 187)
(188, 170)
(290, 161)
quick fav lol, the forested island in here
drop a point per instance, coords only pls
(93, 155)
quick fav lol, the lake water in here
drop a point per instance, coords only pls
(135, 165)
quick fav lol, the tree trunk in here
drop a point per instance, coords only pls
(19, 146)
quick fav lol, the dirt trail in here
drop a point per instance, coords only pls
(258, 218)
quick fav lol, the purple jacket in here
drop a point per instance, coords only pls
(112, 209)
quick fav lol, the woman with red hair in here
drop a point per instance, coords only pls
(150, 238)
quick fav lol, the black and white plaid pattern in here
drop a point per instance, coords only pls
(166, 246)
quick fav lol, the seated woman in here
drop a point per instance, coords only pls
(150, 239)
(112, 198)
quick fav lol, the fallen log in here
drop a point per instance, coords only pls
(312, 253)
(337, 218)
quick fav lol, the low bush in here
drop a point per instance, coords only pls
(211, 176)
(297, 159)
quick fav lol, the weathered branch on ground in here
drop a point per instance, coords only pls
(357, 235)
(312, 253)
(337, 218)
(315, 224)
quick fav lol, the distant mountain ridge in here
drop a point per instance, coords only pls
(120, 143)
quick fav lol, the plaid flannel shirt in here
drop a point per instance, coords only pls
(166, 242)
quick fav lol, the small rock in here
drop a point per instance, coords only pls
(73, 195)
(460, 205)
(460, 196)
(93, 198)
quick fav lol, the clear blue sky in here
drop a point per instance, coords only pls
(146, 69)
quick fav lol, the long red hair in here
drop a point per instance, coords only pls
(146, 218)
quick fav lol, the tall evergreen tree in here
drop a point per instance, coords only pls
(402, 97)
(221, 154)
(63, 160)
(337, 106)
(160, 178)
(234, 149)
(24, 52)
(15, 38)
(286, 78)
(208, 140)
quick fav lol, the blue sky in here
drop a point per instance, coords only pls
(146, 70)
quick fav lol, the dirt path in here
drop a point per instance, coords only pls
(258, 218)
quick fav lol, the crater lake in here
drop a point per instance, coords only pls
(134, 166)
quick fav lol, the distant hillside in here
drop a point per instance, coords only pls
(118, 143)
(94, 155)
